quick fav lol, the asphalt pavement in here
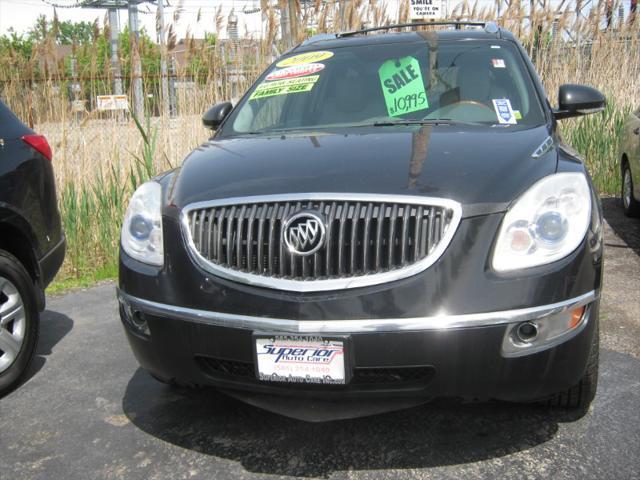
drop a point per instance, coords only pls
(88, 412)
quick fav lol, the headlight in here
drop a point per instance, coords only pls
(142, 227)
(545, 224)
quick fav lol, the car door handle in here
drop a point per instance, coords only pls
(637, 131)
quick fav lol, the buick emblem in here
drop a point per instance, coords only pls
(304, 233)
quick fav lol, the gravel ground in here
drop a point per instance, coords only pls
(88, 411)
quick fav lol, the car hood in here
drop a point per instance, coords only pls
(483, 168)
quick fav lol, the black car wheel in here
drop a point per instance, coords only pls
(581, 395)
(19, 323)
(630, 205)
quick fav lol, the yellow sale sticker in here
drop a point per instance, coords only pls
(303, 58)
(284, 87)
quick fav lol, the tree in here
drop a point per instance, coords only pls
(14, 45)
(66, 32)
(39, 31)
(78, 33)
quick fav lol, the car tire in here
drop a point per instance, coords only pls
(581, 395)
(19, 322)
(630, 205)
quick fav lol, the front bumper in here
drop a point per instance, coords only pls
(420, 336)
(432, 356)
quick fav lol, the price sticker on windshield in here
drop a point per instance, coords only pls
(284, 87)
(303, 58)
(504, 111)
(402, 86)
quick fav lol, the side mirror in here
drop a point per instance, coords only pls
(576, 100)
(216, 114)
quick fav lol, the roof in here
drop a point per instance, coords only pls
(385, 37)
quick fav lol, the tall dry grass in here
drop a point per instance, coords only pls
(100, 159)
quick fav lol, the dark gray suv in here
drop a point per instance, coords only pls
(380, 216)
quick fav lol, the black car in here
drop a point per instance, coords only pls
(630, 165)
(387, 215)
(32, 243)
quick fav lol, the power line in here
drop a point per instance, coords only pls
(59, 5)
(34, 3)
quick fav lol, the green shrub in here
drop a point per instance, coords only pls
(597, 138)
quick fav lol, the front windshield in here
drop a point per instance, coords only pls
(481, 82)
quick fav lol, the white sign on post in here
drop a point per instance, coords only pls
(430, 9)
(112, 102)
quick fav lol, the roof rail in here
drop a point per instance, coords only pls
(319, 38)
(489, 27)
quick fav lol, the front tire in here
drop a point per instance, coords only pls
(630, 205)
(19, 322)
(580, 396)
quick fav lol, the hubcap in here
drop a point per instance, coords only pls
(12, 323)
(626, 188)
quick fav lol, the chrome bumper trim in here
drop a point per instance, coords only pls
(438, 322)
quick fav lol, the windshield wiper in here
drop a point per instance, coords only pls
(381, 123)
(281, 130)
(266, 130)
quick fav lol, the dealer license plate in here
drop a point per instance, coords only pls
(300, 359)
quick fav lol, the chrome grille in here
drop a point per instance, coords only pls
(366, 236)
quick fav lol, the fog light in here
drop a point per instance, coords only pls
(536, 335)
(527, 332)
(135, 319)
(139, 321)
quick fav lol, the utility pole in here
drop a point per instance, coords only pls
(293, 19)
(74, 74)
(114, 29)
(264, 19)
(285, 24)
(136, 77)
(163, 61)
(343, 17)
(75, 88)
(172, 88)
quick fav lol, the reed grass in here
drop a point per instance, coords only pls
(100, 159)
(92, 213)
(597, 138)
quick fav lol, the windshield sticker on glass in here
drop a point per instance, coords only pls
(309, 57)
(495, 46)
(295, 71)
(517, 114)
(498, 63)
(284, 87)
(402, 86)
(504, 111)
